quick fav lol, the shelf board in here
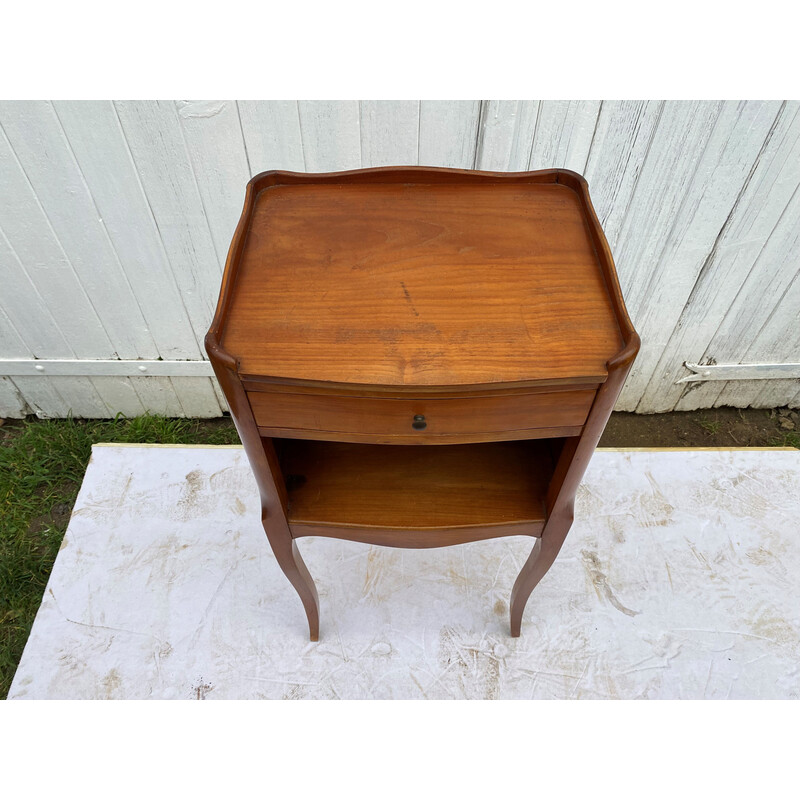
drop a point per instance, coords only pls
(402, 494)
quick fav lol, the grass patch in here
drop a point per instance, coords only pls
(42, 463)
(791, 439)
(711, 427)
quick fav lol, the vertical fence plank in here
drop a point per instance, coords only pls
(12, 405)
(223, 403)
(448, 133)
(389, 132)
(775, 394)
(119, 395)
(672, 161)
(506, 134)
(216, 148)
(158, 396)
(271, 131)
(621, 141)
(667, 174)
(197, 397)
(564, 133)
(331, 134)
(42, 397)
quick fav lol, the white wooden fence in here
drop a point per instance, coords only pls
(115, 218)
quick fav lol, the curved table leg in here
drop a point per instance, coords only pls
(293, 566)
(539, 561)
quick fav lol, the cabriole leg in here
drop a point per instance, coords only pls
(293, 566)
(539, 561)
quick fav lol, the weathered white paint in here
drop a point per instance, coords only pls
(45, 156)
(43, 286)
(740, 372)
(39, 273)
(730, 154)
(620, 146)
(101, 150)
(271, 131)
(780, 333)
(11, 400)
(115, 219)
(761, 295)
(725, 273)
(153, 133)
(506, 134)
(215, 143)
(448, 132)
(331, 135)
(105, 367)
(564, 133)
(389, 132)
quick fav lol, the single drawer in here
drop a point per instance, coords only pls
(421, 420)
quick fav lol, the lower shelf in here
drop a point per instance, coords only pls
(402, 495)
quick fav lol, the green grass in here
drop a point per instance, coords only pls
(710, 427)
(42, 463)
(791, 439)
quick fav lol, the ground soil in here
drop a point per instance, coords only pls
(716, 427)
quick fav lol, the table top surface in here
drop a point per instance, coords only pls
(420, 284)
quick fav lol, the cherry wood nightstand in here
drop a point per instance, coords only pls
(418, 357)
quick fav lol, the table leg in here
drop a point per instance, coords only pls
(293, 566)
(539, 561)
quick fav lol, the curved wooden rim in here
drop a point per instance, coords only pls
(271, 178)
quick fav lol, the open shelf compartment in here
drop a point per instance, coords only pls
(365, 491)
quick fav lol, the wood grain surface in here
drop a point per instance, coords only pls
(443, 416)
(420, 283)
(424, 488)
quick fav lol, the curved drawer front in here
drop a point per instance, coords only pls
(421, 420)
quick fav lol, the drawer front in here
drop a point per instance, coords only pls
(420, 419)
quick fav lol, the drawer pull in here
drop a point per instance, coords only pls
(419, 423)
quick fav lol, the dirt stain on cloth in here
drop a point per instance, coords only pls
(591, 563)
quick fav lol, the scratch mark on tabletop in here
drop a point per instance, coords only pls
(525, 323)
(408, 297)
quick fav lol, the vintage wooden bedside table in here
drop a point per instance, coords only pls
(418, 357)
